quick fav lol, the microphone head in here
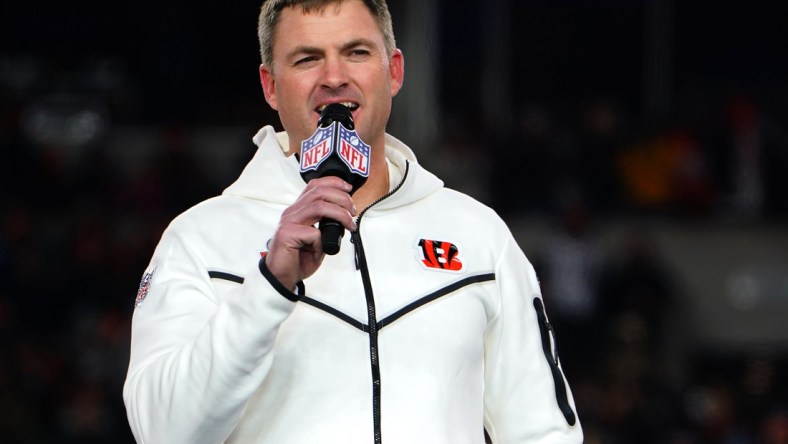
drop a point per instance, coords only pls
(335, 150)
(336, 112)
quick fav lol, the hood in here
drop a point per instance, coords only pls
(273, 177)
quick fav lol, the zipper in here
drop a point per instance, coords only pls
(355, 234)
(551, 355)
(361, 265)
(547, 330)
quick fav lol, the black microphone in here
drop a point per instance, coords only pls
(335, 150)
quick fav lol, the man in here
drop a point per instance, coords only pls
(426, 327)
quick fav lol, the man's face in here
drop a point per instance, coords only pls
(336, 55)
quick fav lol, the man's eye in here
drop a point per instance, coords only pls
(304, 60)
(359, 53)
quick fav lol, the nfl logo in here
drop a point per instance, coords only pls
(316, 149)
(142, 292)
(353, 151)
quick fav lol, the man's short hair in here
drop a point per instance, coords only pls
(272, 9)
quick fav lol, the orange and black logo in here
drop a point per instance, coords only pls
(440, 255)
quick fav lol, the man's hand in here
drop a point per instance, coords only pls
(295, 252)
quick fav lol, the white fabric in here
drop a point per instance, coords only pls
(216, 361)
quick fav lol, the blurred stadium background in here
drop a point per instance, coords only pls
(638, 149)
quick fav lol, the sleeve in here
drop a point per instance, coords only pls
(527, 399)
(196, 359)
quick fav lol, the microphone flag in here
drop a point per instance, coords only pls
(353, 152)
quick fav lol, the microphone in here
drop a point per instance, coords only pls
(335, 150)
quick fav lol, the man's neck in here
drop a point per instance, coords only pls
(376, 186)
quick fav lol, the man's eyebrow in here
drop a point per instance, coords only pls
(358, 42)
(304, 50)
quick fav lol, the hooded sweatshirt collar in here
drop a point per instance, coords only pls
(272, 177)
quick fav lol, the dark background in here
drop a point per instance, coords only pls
(642, 169)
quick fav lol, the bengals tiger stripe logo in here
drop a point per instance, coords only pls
(440, 255)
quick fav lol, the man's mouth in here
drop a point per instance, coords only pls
(351, 105)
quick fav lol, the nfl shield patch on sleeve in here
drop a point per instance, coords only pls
(144, 286)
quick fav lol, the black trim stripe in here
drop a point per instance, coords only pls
(404, 310)
(276, 284)
(333, 311)
(239, 280)
(435, 295)
(225, 276)
(383, 322)
(546, 330)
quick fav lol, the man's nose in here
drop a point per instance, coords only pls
(335, 74)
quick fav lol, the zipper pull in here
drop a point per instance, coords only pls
(551, 329)
(353, 237)
(542, 316)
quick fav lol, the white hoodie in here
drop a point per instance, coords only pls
(458, 340)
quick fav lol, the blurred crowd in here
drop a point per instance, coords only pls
(723, 158)
(74, 238)
(77, 230)
(625, 335)
(619, 307)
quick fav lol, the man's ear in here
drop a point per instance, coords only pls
(269, 86)
(397, 71)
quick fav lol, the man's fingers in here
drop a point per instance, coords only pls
(294, 253)
(335, 191)
(322, 200)
(330, 181)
